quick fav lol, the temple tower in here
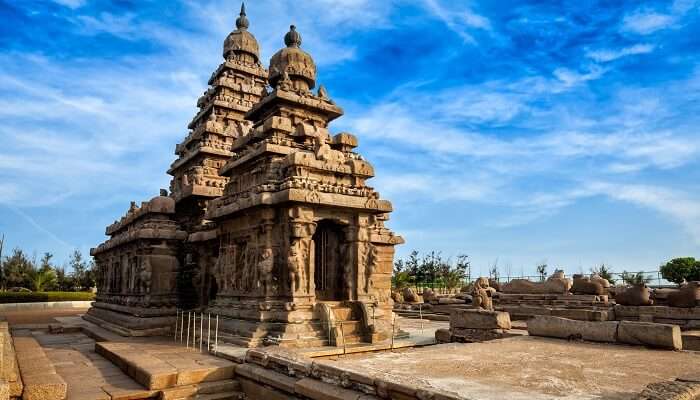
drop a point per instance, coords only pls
(302, 237)
(236, 85)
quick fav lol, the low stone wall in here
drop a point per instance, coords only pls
(10, 376)
(45, 305)
(685, 318)
(275, 373)
(580, 307)
(626, 332)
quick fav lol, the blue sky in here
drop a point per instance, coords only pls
(566, 132)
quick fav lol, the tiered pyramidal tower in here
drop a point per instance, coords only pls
(284, 239)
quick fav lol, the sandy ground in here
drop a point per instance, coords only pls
(39, 316)
(529, 368)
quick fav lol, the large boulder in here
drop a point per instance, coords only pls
(635, 295)
(603, 282)
(688, 296)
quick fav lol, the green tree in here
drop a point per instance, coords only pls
(83, 272)
(634, 278)
(64, 281)
(42, 279)
(681, 269)
(542, 271)
(17, 269)
(604, 272)
(2, 263)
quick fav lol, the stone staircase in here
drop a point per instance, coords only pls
(175, 373)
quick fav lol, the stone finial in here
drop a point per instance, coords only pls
(292, 38)
(242, 22)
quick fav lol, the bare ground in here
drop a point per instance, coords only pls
(530, 368)
(39, 316)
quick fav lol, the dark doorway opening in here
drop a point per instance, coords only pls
(329, 262)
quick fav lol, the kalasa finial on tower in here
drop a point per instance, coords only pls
(242, 22)
(292, 38)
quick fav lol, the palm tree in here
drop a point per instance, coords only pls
(634, 278)
(42, 278)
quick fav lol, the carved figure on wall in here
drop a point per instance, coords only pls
(370, 265)
(265, 266)
(481, 294)
(294, 263)
(145, 275)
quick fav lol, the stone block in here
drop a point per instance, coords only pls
(691, 341)
(650, 334)
(317, 390)
(47, 386)
(443, 336)
(479, 319)
(4, 390)
(573, 329)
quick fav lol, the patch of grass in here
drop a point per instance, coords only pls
(36, 297)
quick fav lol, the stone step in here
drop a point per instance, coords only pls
(351, 327)
(343, 314)
(166, 368)
(232, 395)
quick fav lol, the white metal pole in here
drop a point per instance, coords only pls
(201, 332)
(189, 318)
(216, 335)
(177, 316)
(208, 331)
(182, 324)
(420, 312)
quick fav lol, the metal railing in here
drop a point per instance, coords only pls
(190, 330)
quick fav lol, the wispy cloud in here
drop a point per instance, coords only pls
(607, 55)
(645, 22)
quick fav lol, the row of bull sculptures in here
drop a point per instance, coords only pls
(484, 289)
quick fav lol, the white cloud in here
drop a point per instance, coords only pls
(611, 55)
(71, 3)
(461, 21)
(645, 22)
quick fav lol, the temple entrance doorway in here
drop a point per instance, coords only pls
(328, 262)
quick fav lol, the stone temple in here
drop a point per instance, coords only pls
(268, 222)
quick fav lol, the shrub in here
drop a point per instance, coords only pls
(681, 269)
(36, 297)
(634, 278)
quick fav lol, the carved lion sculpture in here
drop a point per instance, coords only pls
(410, 296)
(688, 296)
(584, 285)
(603, 282)
(481, 294)
(429, 295)
(555, 284)
(397, 296)
(635, 295)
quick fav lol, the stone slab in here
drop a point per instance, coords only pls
(549, 326)
(650, 334)
(691, 340)
(479, 319)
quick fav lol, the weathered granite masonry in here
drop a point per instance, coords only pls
(269, 221)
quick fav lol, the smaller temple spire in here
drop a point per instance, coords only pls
(292, 38)
(242, 22)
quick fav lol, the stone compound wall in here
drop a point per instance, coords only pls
(472, 325)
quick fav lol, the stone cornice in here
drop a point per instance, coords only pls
(218, 208)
